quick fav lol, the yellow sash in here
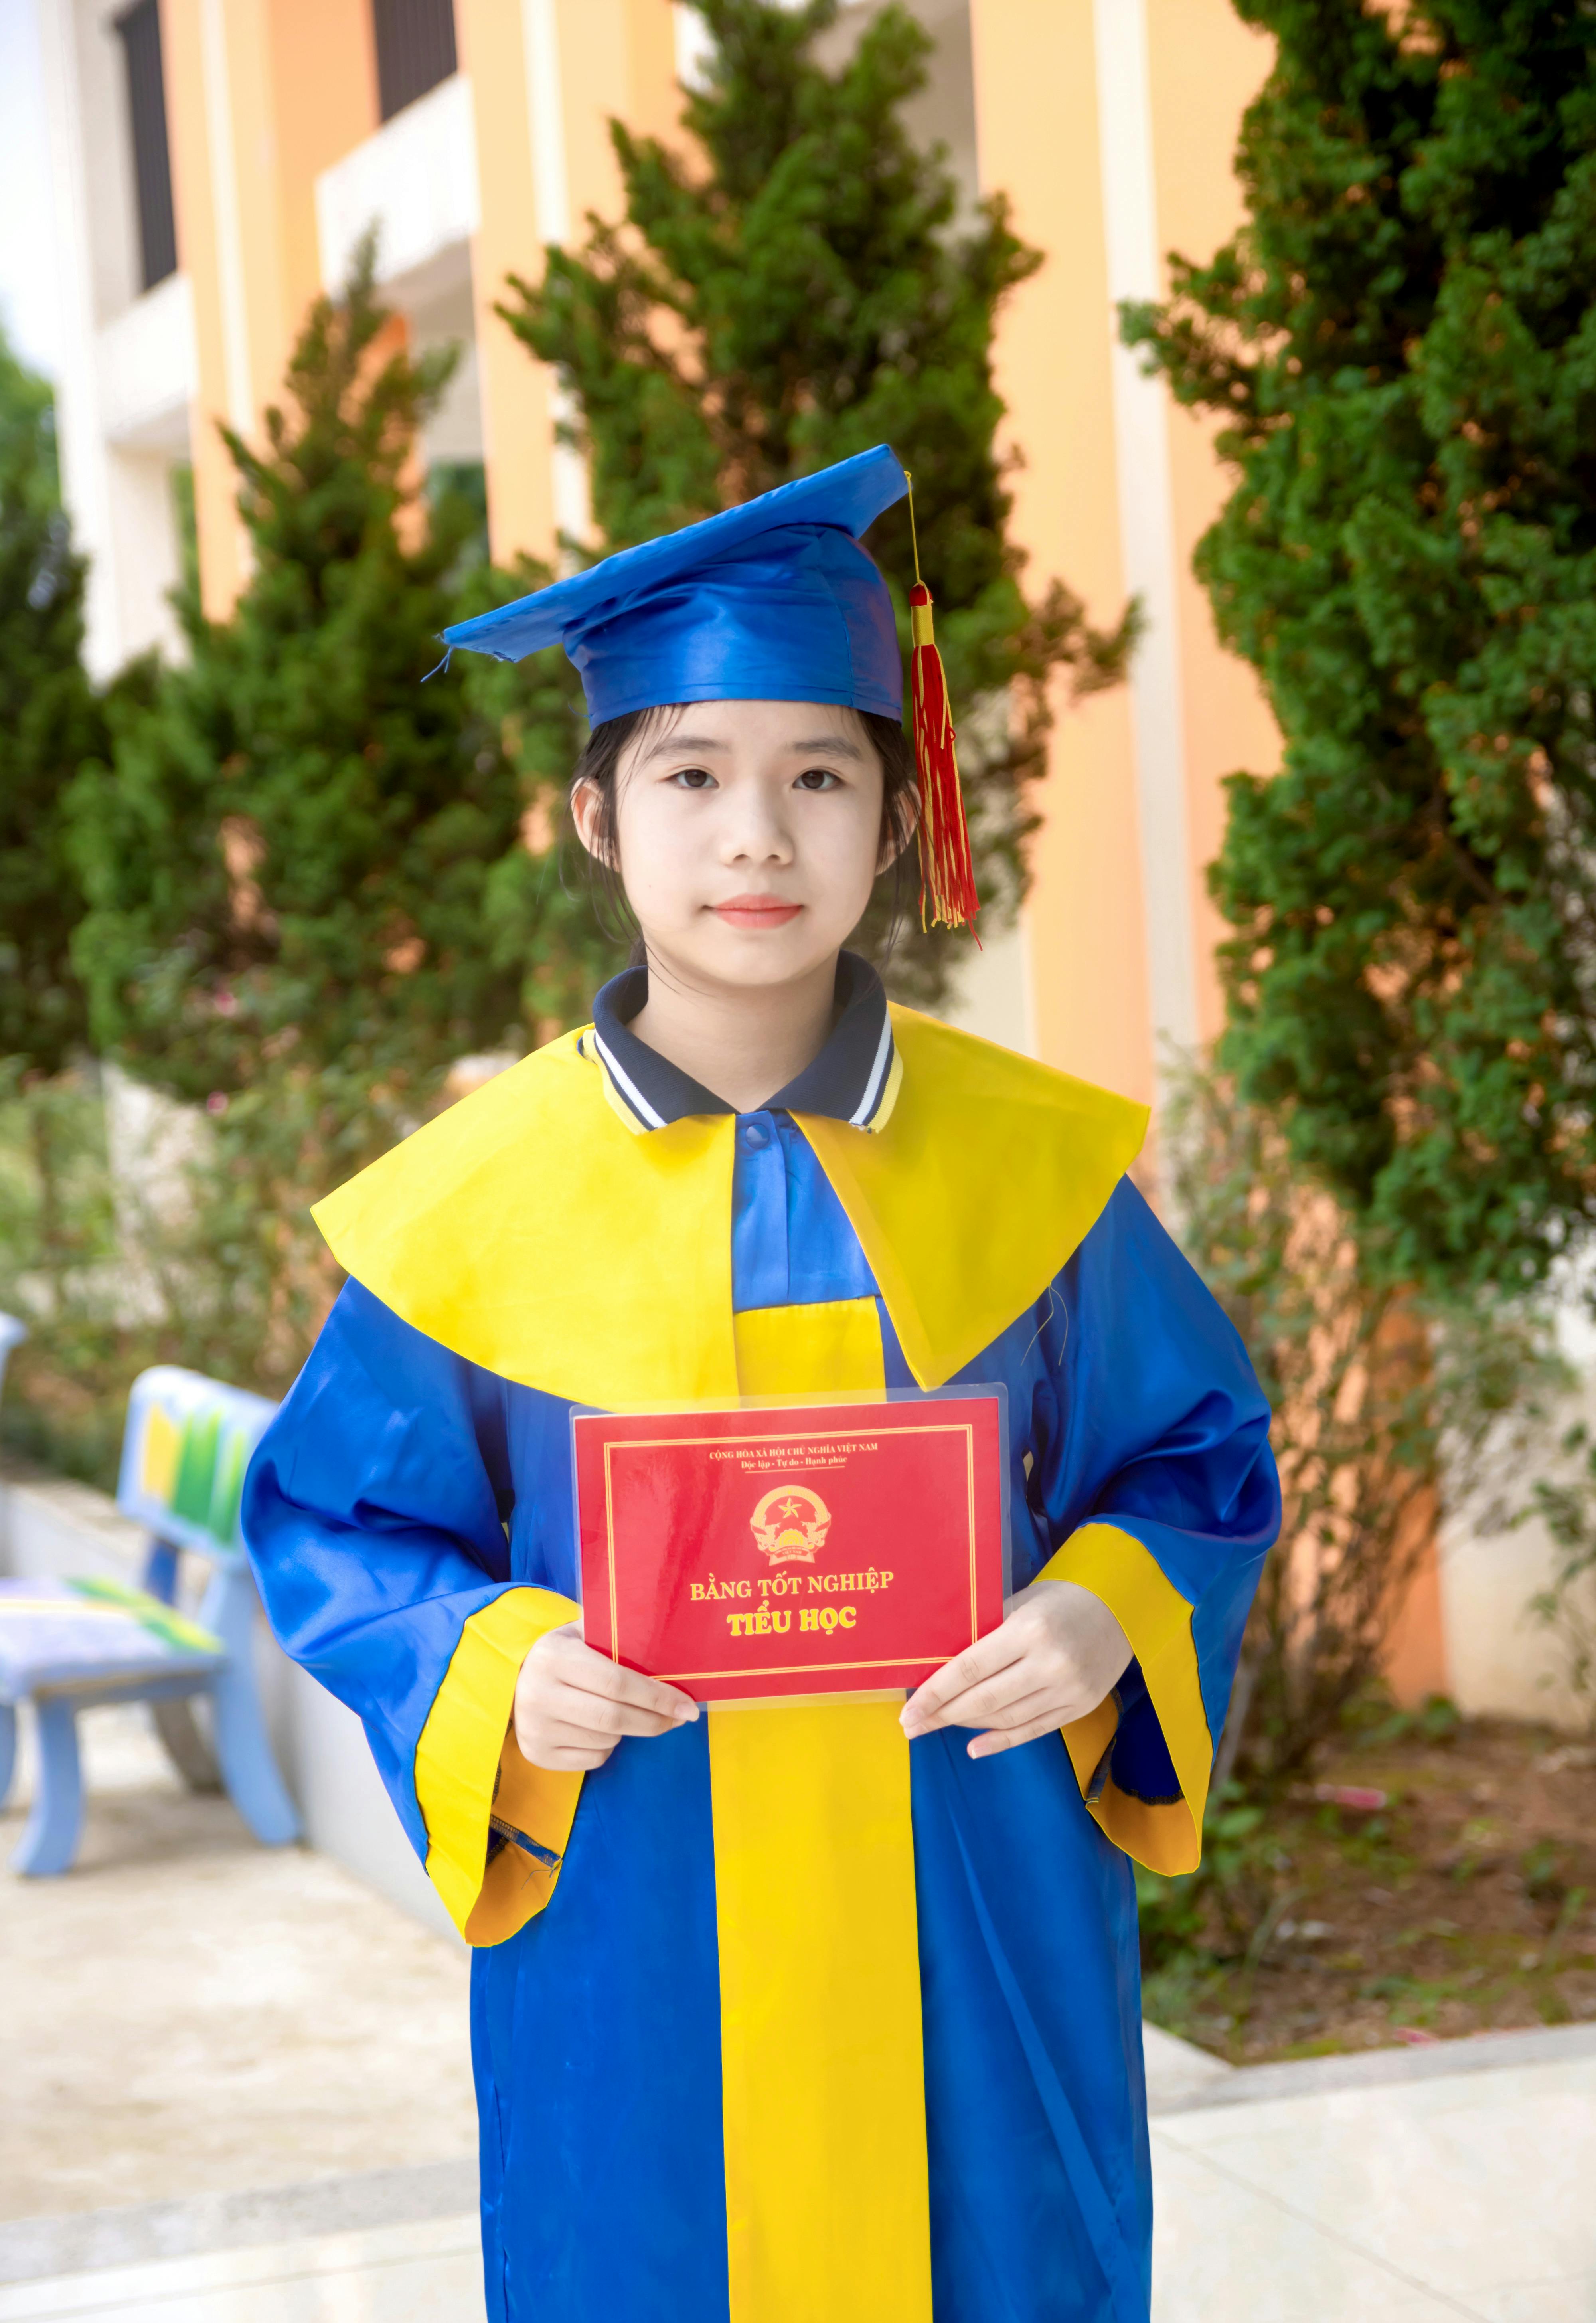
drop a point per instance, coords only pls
(827, 2211)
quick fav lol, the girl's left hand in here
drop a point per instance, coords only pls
(1058, 1654)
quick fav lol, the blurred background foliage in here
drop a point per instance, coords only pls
(1382, 1395)
(1400, 346)
(285, 857)
(286, 886)
(51, 722)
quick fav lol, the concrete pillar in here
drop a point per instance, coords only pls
(1204, 68)
(121, 520)
(518, 394)
(1037, 141)
(261, 95)
(547, 76)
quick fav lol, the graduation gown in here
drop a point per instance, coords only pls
(778, 2018)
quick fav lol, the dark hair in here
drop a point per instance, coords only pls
(600, 765)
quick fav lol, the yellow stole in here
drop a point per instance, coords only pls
(530, 1231)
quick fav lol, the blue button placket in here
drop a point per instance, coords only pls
(761, 1275)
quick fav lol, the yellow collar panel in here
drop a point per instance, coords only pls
(529, 1232)
(990, 1174)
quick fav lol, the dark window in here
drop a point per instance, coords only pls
(139, 28)
(415, 49)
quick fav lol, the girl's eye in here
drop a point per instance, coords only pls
(817, 778)
(694, 778)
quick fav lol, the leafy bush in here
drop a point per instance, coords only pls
(1375, 1393)
(291, 860)
(1400, 345)
(49, 722)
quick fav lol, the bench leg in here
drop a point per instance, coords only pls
(248, 1767)
(184, 1744)
(7, 1749)
(49, 1842)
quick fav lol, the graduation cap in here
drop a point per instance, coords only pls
(774, 600)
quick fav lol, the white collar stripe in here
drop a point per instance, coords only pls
(878, 1072)
(629, 1088)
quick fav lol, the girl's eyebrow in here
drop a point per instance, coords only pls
(838, 744)
(669, 744)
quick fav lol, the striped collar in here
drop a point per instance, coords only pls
(854, 1078)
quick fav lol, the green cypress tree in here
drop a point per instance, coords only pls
(797, 290)
(49, 722)
(290, 860)
(1401, 343)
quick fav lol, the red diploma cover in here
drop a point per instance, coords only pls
(794, 1548)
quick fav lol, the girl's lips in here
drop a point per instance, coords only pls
(756, 911)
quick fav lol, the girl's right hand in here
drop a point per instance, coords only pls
(572, 1706)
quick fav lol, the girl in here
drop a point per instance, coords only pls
(794, 2014)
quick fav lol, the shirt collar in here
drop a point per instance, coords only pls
(854, 1078)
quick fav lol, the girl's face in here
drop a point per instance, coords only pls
(750, 836)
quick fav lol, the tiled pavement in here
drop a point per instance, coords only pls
(1406, 2187)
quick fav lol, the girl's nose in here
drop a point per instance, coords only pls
(757, 833)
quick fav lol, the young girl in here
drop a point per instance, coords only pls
(800, 2012)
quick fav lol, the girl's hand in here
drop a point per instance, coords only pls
(572, 1706)
(1058, 1654)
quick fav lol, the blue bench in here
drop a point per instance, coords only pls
(70, 1645)
(12, 1334)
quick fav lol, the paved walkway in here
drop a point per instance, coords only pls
(1412, 2186)
(288, 2049)
(186, 2012)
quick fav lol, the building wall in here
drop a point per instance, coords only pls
(126, 354)
(1110, 124)
(261, 95)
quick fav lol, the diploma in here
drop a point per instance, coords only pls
(797, 1548)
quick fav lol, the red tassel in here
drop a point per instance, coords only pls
(947, 875)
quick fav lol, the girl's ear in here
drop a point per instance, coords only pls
(901, 822)
(587, 812)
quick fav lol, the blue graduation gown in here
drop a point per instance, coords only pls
(414, 1491)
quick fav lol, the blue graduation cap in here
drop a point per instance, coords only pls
(772, 602)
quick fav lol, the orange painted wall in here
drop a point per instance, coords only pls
(221, 544)
(299, 90)
(1036, 119)
(617, 59)
(596, 84)
(1205, 66)
(654, 101)
(517, 418)
(1038, 131)
(323, 59)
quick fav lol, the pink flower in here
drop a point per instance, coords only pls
(1352, 1796)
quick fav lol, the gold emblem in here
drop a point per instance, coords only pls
(790, 1523)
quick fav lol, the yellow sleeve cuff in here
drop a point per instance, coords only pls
(469, 1769)
(1114, 1566)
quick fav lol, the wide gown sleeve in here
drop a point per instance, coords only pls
(373, 1512)
(1156, 1486)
